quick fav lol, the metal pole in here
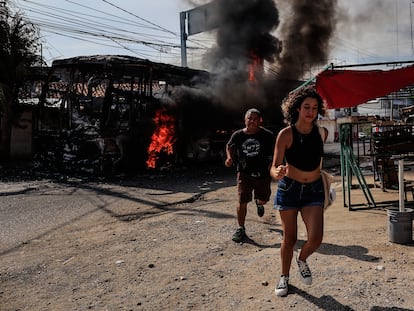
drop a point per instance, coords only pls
(183, 17)
(373, 64)
(41, 55)
(397, 29)
(311, 79)
(411, 24)
(401, 183)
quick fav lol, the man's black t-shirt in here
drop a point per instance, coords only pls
(253, 152)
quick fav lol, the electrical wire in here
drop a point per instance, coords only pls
(101, 28)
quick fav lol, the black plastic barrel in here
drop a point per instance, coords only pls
(400, 226)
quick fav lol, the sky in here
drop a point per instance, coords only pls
(155, 21)
(366, 31)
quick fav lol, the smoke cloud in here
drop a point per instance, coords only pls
(391, 19)
(247, 31)
(279, 44)
(306, 37)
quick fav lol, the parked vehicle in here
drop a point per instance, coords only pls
(362, 135)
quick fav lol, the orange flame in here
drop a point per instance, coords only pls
(255, 65)
(163, 138)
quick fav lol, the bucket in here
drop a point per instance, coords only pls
(400, 226)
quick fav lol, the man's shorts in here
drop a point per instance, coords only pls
(248, 185)
(292, 194)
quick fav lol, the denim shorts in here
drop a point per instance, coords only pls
(292, 194)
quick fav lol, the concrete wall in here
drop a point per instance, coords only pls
(21, 143)
(332, 129)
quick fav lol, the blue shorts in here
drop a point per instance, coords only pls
(292, 194)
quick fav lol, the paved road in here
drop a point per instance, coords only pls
(32, 209)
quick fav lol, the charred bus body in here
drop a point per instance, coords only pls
(121, 113)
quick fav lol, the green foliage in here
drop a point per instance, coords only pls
(19, 47)
(19, 44)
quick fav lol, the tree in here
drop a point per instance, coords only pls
(18, 52)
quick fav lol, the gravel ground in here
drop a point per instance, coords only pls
(164, 243)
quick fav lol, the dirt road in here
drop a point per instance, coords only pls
(163, 242)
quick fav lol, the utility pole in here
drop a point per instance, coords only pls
(411, 24)
(183, 34)
(2, 5)
(41, 55)
(397, 29)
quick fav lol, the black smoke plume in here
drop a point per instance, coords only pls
(306, 35)
(247, 32)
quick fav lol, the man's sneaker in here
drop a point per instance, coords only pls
(239, 234)
(282, 287)
(304, 272)
(260, 209)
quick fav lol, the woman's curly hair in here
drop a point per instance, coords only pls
(292, 102)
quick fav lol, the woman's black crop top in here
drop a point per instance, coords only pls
(306, 151)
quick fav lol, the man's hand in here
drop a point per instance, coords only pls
(228, 162)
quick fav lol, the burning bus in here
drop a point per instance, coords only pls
(121, 113)
(112, 113)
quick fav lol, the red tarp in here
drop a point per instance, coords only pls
(348, 88)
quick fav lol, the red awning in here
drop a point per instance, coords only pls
(348, 88)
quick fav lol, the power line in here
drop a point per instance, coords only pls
(149, 22)
(74, 24)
